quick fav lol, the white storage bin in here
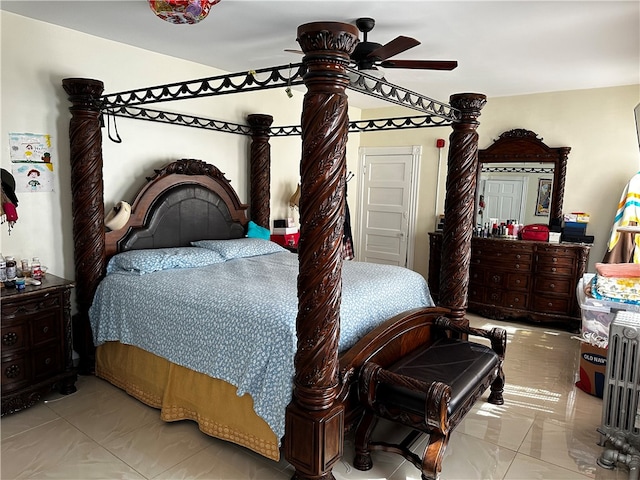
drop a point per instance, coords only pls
(597, 315)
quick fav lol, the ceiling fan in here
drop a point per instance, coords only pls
(367, 56)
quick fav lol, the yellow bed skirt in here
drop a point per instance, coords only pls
(183, 394)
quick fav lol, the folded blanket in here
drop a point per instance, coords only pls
(620, 270)
(617, 289)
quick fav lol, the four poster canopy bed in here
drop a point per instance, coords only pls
(188, 228)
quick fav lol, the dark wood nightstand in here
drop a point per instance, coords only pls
(36, 343)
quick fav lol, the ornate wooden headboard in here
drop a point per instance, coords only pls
(186, 200)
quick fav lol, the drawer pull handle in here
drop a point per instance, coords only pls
(12, 371)
(550, 304)
(45, 329)
(495, 278)
(518, 256)
(553, 269)
(554, 260)
(10, 338)
(518, 282)
(552, 285)
(517, 266)
(47, 361)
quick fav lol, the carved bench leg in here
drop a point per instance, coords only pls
(433, 453)
(497, 389)
(362, 459)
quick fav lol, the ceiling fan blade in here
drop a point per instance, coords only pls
(420, 64)
(289, 50)
(394, 47)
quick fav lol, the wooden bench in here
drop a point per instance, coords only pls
(431, 391)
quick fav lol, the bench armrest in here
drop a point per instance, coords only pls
(497, 335)
(437, 399)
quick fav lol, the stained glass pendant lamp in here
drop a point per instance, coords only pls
(182, 11)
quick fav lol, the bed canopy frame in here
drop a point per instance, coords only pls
(315, 416)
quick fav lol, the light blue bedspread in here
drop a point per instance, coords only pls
(236, 320)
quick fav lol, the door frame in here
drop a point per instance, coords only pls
(416, 154)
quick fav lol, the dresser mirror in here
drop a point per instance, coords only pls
(520, 178)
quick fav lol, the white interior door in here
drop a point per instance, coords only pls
(503, 199)
(387, 204)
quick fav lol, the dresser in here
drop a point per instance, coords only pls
(36, 343)
(520, 279)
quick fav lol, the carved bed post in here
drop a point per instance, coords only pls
(260, 168)
(87, 205)
(559, 176)
(314, 419)
(459, 204)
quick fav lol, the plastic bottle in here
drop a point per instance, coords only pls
(11, 268)
(36, 268)
(3, 269)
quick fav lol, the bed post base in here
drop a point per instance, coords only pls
(314, 434)
(459, 205)
(260, 168)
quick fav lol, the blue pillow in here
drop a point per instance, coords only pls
(156, 259)
(240, 247)
(256, 231)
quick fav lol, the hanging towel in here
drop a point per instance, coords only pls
(625, 247)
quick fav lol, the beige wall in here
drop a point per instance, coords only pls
(598, 125)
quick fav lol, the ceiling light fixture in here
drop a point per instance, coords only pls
(182, 11)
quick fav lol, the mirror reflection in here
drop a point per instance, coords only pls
(517, 191)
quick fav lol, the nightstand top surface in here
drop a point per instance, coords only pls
(48, 282)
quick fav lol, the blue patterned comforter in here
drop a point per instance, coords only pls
(235, 319)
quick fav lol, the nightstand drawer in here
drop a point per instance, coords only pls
(44, 328)
(14, 337)
(48, 301)
(15, 372)
(47, 361)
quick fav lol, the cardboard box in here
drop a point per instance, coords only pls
(593, 365)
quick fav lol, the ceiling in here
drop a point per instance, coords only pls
(503, 48)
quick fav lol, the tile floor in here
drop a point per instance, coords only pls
(545, 430)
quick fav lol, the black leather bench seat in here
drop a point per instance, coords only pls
(459, 364)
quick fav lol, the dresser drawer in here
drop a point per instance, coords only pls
(556, 285)
(518, 281)
(555, 264)
(556, 250)
(548, 304)
(14, 337)
(494, 296)
(513, 259)
(516, 300)
(476, 293)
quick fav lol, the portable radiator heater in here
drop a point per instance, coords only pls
(620, 414)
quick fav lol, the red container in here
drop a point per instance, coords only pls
(537, 231)
(288, 240)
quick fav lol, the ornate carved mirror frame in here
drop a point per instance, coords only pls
(520, 145)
